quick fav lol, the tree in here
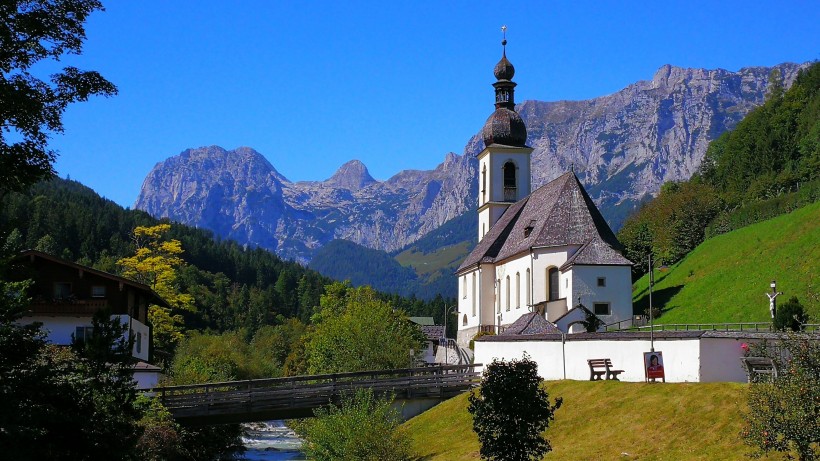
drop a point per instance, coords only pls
(63, 403)
(784, 415)
(511, 410)
(30, 108)
(790, 316)
(155, 264)
(356, 331)
(362, 428)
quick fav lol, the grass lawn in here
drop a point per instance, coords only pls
(725, 278)
(609, 421)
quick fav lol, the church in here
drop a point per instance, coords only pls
(546, 260)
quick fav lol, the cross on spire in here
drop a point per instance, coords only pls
(504, 40)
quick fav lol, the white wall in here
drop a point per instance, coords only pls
(617, 292)
(543, 259)
(147, 379)
(59, 329)
(702, 359)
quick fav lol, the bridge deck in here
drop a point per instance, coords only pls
(298, 396)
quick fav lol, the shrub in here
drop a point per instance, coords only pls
(782, 415)
(362, 428)
(790, 316)
(510, 412)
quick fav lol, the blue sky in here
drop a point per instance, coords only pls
(396, 85)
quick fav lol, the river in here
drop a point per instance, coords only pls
(272, 440)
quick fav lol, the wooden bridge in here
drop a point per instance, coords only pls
(296, 397)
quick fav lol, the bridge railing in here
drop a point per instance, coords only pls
(408, 382)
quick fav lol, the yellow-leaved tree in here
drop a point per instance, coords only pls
(155, 263)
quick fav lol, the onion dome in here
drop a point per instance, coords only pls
(504, 126)
(504, 70)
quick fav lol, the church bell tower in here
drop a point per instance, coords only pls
(504, 164)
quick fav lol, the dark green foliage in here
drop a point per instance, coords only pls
(768, 165)
(362, 428)
(60, 403)
(784, 415)
(233, 287)
(511, 410)
(343, 260)
(30, 108)
(790, 316)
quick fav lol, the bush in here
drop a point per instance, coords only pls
(362, 428)
(783, 414)
(790, 316)
(511, 410)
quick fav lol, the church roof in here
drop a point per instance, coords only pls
(558, 213)
(530, 324)
(596, 252)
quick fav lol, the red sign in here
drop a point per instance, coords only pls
(653, 364)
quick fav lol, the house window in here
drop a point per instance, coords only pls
(139, 342)
(475, 298)
(508, 292)
(600, 308)
(98, 291)
(464, 287)
(552, 284)
(62, 290)
(601, 281)
(517, 290)
(82, 334)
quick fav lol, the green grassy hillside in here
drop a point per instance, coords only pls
(609, 421)
(724, 279)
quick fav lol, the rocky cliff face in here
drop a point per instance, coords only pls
(623, 147)
(239, 195)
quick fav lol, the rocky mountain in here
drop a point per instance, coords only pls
(623, 147)
(239, 195)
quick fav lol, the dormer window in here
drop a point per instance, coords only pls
(529, 227)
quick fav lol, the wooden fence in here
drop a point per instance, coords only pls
(294, 397)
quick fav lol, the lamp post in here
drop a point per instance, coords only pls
(446, 346)
(651, 323)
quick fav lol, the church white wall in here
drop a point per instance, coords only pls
(517, 296)
(543, 259)
(468, 293)
(486, 289)
(685, 360)
(617, 292)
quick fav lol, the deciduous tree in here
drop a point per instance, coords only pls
(511, 410)
(784, 414)
(32, 108)
(155, 264)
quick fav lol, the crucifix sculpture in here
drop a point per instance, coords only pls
(772, 297)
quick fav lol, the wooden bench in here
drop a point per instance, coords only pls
(601, 367)
(759, 369)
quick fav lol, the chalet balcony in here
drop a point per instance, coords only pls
(68, 307)
(510, 194)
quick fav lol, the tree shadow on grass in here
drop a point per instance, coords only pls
(659, 300)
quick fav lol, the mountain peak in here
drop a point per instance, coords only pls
(353, 175)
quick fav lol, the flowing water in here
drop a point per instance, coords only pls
(272, 440)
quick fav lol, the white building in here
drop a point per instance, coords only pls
(541, 251)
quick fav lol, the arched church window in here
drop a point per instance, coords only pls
(510, 189)
(483, 183)
(517, 290)
(529, 290)
(464, 322)
(508, 292)
(474, 294)
(552, 283)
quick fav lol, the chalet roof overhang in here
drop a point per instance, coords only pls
(31, 255)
